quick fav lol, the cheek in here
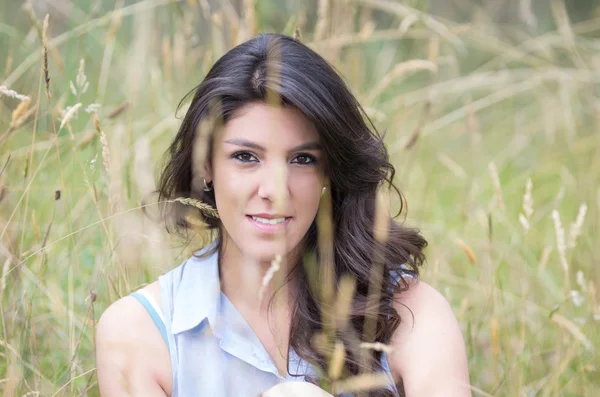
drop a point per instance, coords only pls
(305, 191)
(230, 186)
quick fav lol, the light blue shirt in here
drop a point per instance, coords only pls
(213, 350)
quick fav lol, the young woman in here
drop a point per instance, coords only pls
(282, 135)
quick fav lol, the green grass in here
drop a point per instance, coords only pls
(525, 102)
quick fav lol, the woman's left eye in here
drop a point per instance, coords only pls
(304, 159)
(244, 157)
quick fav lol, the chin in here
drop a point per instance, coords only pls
(266, 250)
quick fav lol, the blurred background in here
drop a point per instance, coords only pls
(491, 112)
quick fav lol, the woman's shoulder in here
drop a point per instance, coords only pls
(428, 344)
(126, 338)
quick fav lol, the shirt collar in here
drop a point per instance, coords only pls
(194, 304)
(199, 298)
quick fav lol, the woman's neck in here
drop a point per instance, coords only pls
(242, 280)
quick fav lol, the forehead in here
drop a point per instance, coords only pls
(270, 125)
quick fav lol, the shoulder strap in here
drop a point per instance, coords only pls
(153, 311)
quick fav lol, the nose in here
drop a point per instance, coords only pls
(273, 183)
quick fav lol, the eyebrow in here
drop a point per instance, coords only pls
(254, 145)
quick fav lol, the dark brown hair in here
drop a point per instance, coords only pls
(357, 166)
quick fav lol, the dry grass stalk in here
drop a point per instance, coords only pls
(472, 123)
(495, 335)
(528, 199)
(576, 226)
(343, 302)
(574, 330)
(362, 382)
(118, 110)
(527, 206)
(322, 19)
(275, 266)
(414, 137)
(205, 7)
(544, 259)
(326, 259)
(12, 379)
(250, 17)
(405, 11)
(452, 165)
(381, 226)
(207, 209)
(468, 251)
(406, 23)
(167, 57)
(524, 222)
(297, 35)
(399, 71)
(337, 360)
(205, 128)
(580, 279)
(5, 270)
(8, 64)
(34, 224)
(5, 164)
(274, 76)
(497, 186)
(560, 239)
(559, 197)
(19, 114)
(104, 142)
(561, 246)
(381, 347)
(382, 217)
(561, 17)
(526, 14)
(45, 54)
(68, 115)
(433, 49)
(4, 90)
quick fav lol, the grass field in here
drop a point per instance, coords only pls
(493, 129)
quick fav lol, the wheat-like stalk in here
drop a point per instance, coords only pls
(69, 114)
(576, 226)
(561, 247)
(274, 268)
(497, 186)
(45, 54)
(322, 18)
(382, 347)
(19, 114)
(4, 90)
(250, 17)
(580, 279)
(399, 71)
(524, 222)
(104, 143)
(468, 251)
(205, 208)
(337, 360)
(528, 199)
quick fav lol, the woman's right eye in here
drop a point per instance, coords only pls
(244, 157)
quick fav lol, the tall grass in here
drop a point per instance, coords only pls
(493, 130)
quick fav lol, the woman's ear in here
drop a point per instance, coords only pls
(207, 173)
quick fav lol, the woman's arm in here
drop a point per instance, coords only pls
(429, 350)
(131, 356)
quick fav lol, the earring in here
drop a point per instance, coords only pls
(323, 190)
(206, 187)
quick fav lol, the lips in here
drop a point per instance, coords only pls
(266, 224)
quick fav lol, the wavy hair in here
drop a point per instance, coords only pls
(357, 166)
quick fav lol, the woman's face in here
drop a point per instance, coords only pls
(267, 174)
